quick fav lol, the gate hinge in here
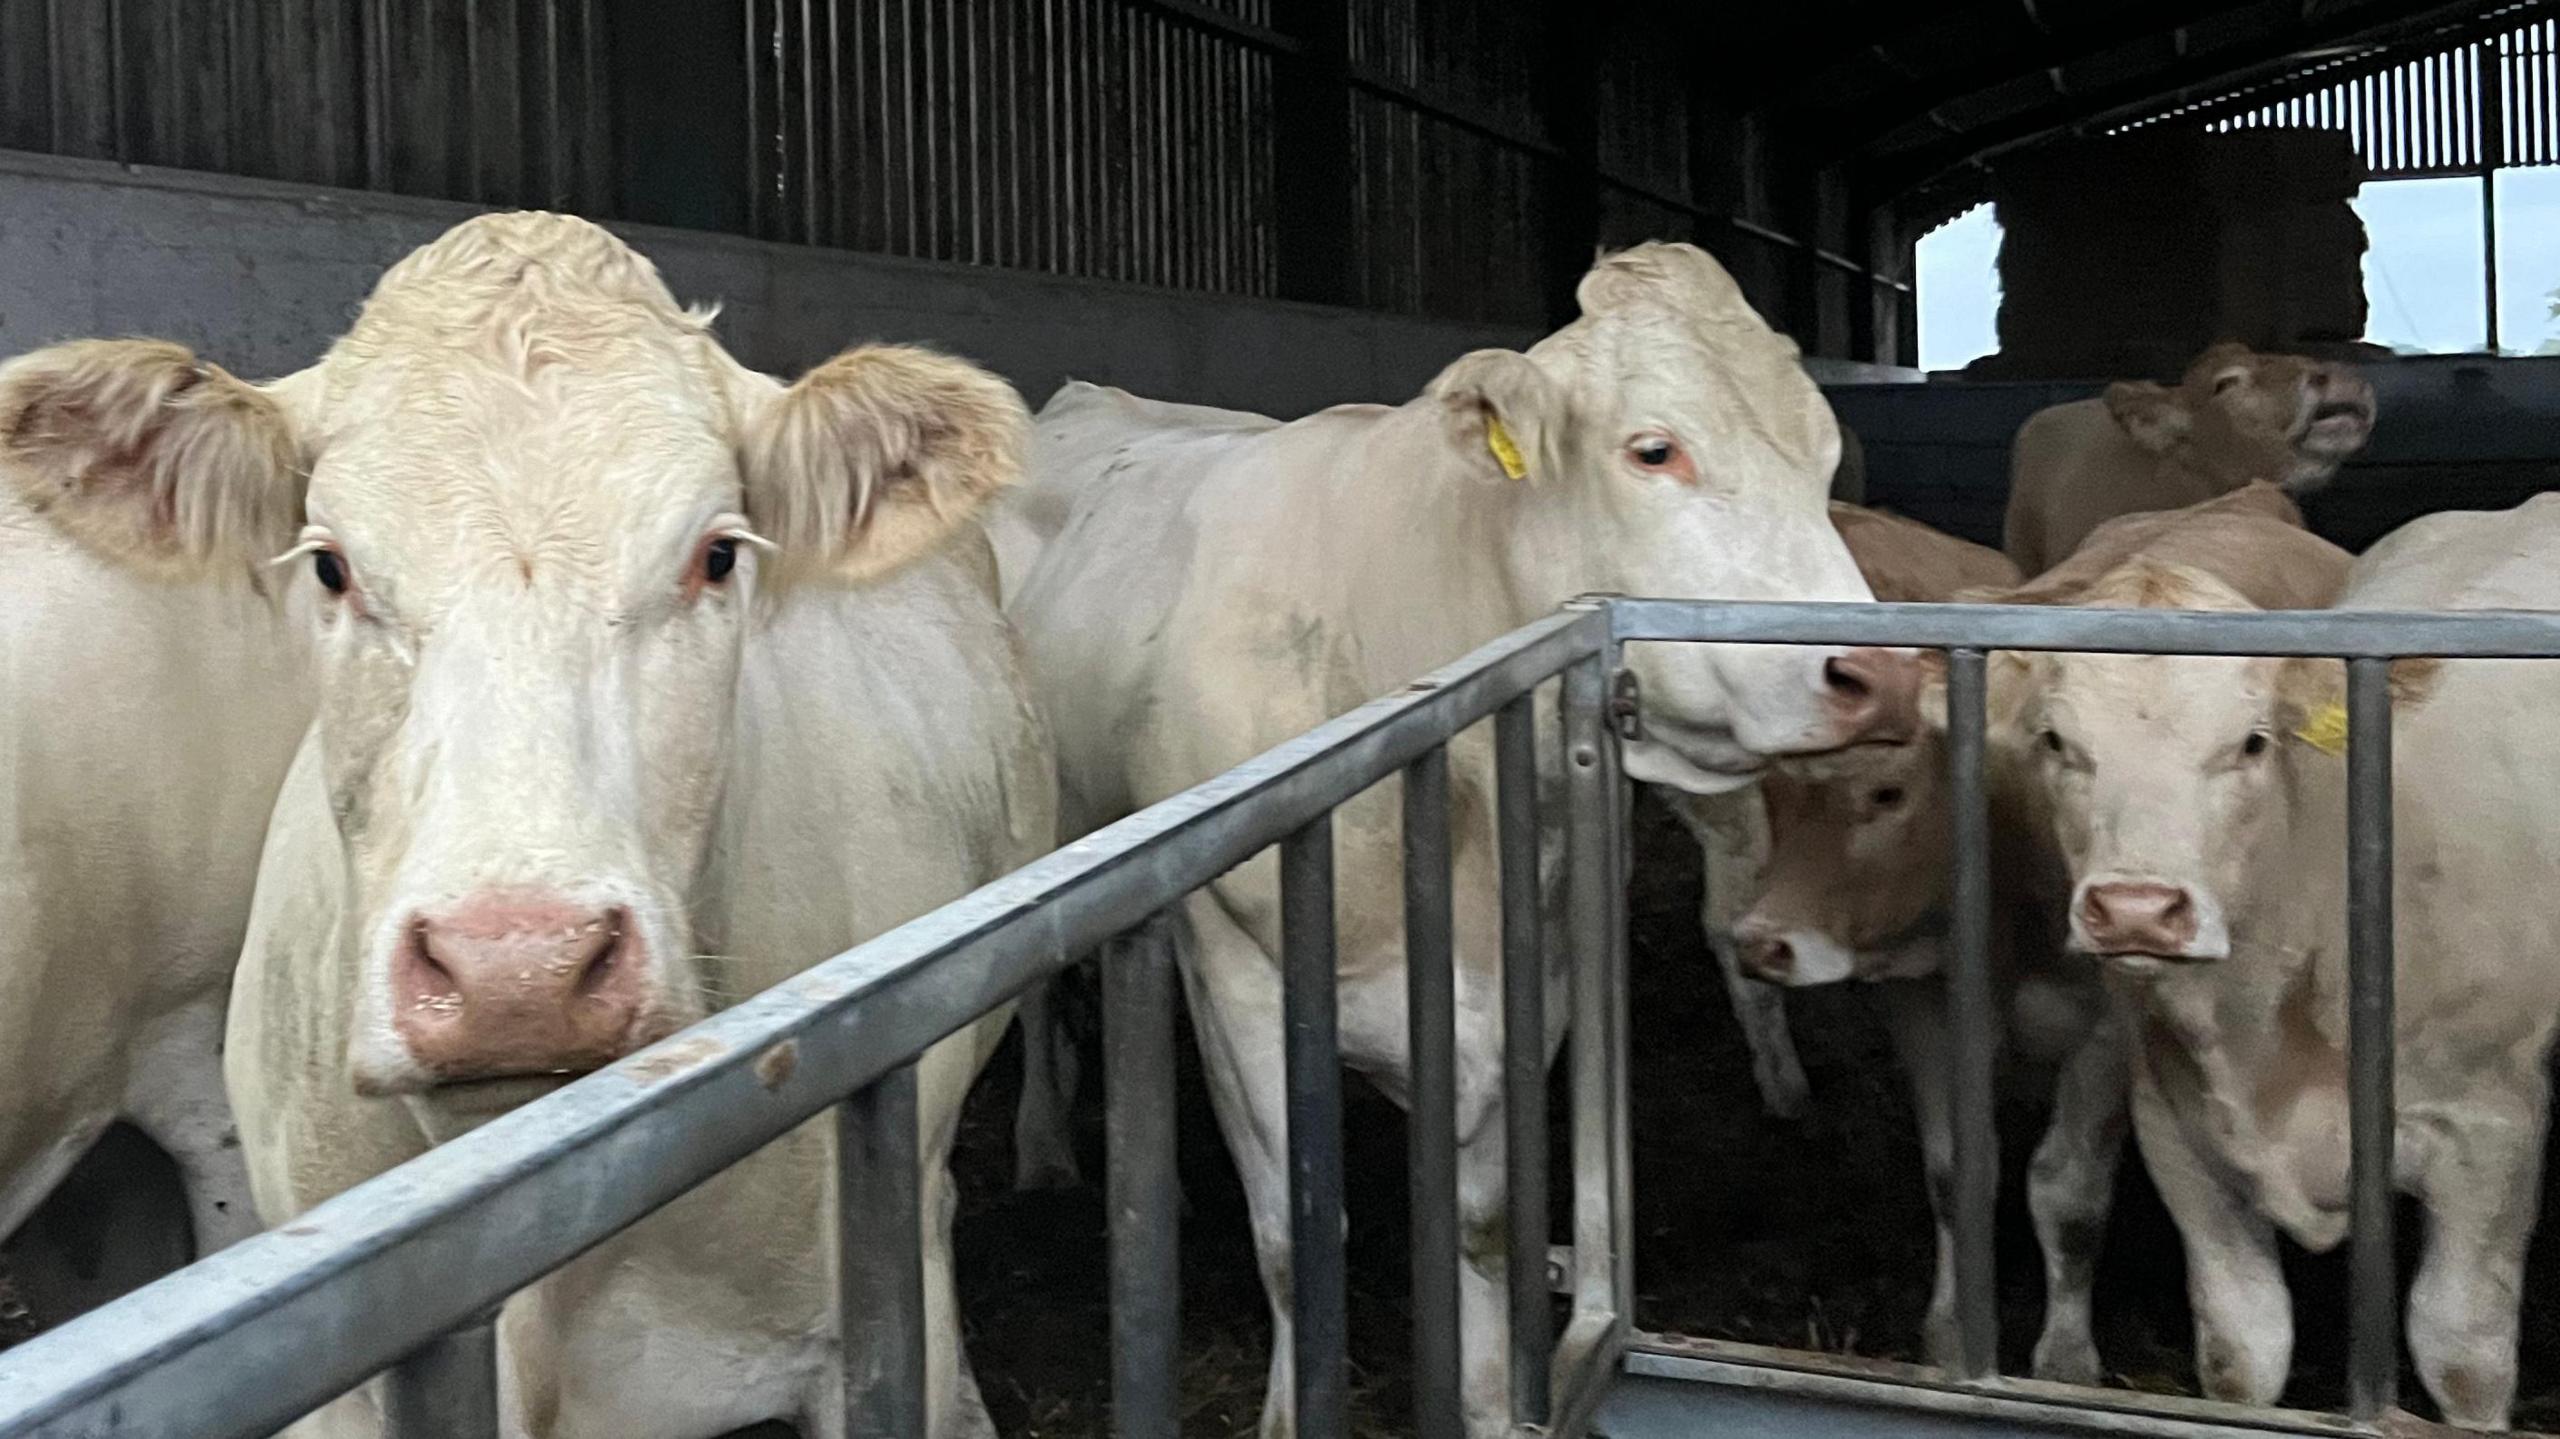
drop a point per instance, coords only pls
(1626, 705)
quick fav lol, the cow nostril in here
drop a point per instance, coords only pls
(1844, 680)
(600, 965)
(435, 979)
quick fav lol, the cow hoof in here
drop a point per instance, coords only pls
(2073, 1362)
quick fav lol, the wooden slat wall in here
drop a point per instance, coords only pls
(499, 101)
(1124, 140)
(1080, 137)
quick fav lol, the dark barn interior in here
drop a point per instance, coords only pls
(1284, 204)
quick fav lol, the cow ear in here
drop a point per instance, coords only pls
(1504, 417)
(2311, 696)
(876, 457)
(2154, 415)
(149, 457)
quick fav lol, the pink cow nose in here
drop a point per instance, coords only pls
(1873, 695)
(516, 984)
(2138, 918)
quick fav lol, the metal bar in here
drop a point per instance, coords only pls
(1834, 1398)
(2335, 634)
(187, 1354)
(1318, 1302)
(1973, 1006)
(1144, 1189)
(1431, 1017)
(2373, 1369)
(447, 1388)
(1524, 1055)
(880, 1281)
(1591, 876)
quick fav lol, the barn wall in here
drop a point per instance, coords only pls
(261, 275)
(1450, 159)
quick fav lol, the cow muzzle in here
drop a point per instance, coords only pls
(1798, 958)
(2146, 919)
(1872, 696)
(509, 985)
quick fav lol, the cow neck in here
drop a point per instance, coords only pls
(1418, 543)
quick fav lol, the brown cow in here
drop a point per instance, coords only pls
(2237, 417)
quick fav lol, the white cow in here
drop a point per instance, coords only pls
(2201, 805)
(144, 727)
(1217, 589)
(609, 735)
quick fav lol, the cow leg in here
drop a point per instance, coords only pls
(1044, 1148)
(2070, 1188)
(2480, 1187)
(176, 1097)
(1915, 1012)
(1730, 842)
(1233, 988)
(2235, 1282)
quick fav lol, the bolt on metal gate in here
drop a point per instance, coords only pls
(402, 1275)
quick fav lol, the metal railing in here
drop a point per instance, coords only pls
(402, 1274)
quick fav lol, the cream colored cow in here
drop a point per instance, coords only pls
(644, 681)
(1217, 589)
(2201, 806)
(144, 727)
(2237, 417)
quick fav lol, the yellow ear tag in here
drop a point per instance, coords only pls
(1505, 453)
(2326, 730)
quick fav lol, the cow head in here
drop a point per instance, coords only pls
(2175, 783)
(541, 511)
(2239, 416)
(1669, 443)
(1856, 882)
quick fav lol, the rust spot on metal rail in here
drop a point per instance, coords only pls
(674, 1058)
(775, 1066)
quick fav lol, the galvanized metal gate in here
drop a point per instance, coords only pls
(401, 1275)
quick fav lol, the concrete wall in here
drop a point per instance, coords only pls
(260, 276)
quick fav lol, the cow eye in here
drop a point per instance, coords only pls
(719, 558)
(2226, 380)
(1654, 452)
(2052, 740)
(1887, 797)
(331, 567)
(2256, 744)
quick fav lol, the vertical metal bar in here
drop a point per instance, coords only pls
(2491, 109)
(880, 1259)
(377, 95)
(1314, 1069)
(448, 1389)
(1590, 913)
(1977, 1156)
(1144, 1192)
(1431, 1011)
(2373, 1369)
(1524, 1055)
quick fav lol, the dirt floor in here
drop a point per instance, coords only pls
(1813, 1234)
